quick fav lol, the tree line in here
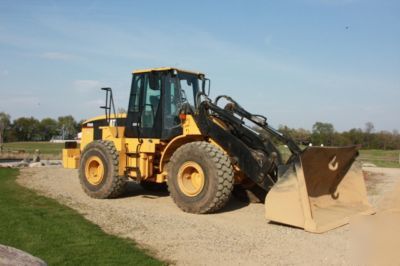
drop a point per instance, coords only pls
(66, 127)
(325, 134)
(32, 129)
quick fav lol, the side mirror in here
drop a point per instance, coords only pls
(207, 90)
(183, 96)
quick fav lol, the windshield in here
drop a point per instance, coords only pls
(190, 85)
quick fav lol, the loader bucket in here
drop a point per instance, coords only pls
(321, 190)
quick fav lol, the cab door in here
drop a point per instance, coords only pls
(172, 102)
(144, 118)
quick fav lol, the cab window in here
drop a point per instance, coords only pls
(189, 84)
(152, 99)
(172, 103)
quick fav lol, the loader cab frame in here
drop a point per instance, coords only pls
(157, 98)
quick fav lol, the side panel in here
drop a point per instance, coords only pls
(140, 154)
(87, 136)
(191, 133)
(71, 158)
(173, 145)
(133, 153)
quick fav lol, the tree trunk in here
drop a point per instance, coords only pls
(1, 140)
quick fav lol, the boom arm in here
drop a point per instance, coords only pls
(256, 157)
(259, 120)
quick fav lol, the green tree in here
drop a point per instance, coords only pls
(300, 135)
(67, 127)
(369, 128)
(355, 136)
(385, 140)
(26, 129)
(48, 128)
(341, 139)
(285, 130)
(4, 125)
(78, 125)
(322, 133)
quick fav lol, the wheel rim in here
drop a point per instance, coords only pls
(94, 170)
(191, 179)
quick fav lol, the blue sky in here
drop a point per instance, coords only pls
(296, 62)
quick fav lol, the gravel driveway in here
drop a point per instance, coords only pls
(238, 235)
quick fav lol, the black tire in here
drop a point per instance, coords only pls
(112, 185)
(153, 186)
(218, 177)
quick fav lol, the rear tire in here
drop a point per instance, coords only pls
(200, 177)
(98, 171)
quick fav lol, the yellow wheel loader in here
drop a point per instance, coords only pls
(174, 133)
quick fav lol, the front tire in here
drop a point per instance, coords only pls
(200, 177)
(98, 171)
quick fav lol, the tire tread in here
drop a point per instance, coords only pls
(224, 175)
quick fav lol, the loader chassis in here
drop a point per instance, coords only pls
(174, 133)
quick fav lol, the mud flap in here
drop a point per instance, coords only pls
(321, 190)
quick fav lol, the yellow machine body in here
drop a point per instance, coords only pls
(149, 148)
(71, 158)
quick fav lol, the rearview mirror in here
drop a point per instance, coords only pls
(206, 89)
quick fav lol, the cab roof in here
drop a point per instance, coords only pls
(165, 69)
(103, 117)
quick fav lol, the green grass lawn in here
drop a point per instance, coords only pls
(58, 234)
(381, 158)
(30, 147)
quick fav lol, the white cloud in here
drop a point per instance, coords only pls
(87, 85)
(4, 72)
(59, 56)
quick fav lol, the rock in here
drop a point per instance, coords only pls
(54, 162)
(37, 164)
(12, 256)
(26, 163)
(36, 156)
(368, 165)
(22, 164)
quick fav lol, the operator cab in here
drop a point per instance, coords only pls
(156, 99)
